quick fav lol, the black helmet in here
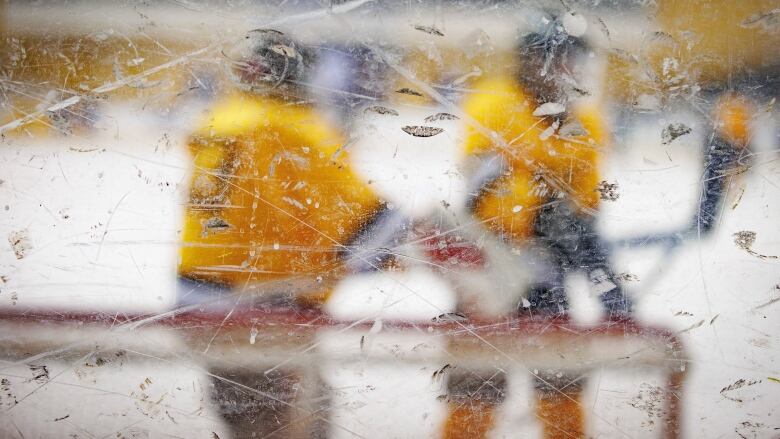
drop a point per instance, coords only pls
(546, 57)
(267, 60)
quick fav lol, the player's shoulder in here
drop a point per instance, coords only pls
(262, 118)
(243, 113)
(232, 115)
(495, 92)
(499, 87)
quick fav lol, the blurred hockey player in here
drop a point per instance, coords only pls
(728, 86)
(543, 200)
(552, 146)
(272, 199)
(274, 214)
(725, 156)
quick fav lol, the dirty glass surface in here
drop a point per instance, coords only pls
(401, 219)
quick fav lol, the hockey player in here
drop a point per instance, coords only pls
(723, 157)
(694, 60)
(545, 200)
(272, 208)
(272, 198)
(552, 146)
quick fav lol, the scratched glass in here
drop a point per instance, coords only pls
(467, 219)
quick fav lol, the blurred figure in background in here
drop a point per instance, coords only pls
(726, 155)
(543, 200)
(272, 199)
(720, 57)
(273, 206)
(717, 59)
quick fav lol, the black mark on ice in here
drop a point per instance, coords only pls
(673, 131)
(441, 116)
(429, 30)
(745, 240)
(408, 91)
(440, 373)
(608, 191)
(381, 110)
(20, 242)
(738, 384)
(40, 373)
(421, 130)
(449, 317)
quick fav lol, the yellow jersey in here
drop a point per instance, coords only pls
(546, 155)
(271, 196)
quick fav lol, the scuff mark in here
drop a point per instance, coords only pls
(40, 373)
(429, 30)
(20, 242)
(745, 239)
(440, 116)
(765, 304)
(748, 428)
(650, 400)
(608, 191)
(738, 384)
(766, 20)
(438, 374)
(381, 110)
(449, 317)
(215, 224)
(673, 131)
(421, 130)
(408, 91)
(692, 327)
(627, 277)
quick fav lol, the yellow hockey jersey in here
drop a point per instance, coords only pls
(546, 155)
(271, 197)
